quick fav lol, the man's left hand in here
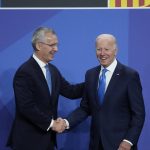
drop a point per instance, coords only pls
(124, 146)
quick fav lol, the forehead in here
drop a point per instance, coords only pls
(105, 41)
(50, 36)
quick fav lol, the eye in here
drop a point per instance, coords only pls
(53, 45)
(106, 49)
(98, 49)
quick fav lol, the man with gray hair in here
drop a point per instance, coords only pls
(113, 97)
(37, 85)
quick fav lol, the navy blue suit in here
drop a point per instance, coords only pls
(35, 106)
(121, 116)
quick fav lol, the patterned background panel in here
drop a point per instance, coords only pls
(77, 30)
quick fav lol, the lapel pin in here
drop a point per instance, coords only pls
(117, 74)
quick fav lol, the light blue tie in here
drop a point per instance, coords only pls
(48, 77)
(102, 84)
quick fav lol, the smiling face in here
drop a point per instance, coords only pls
(46, 48)
(106, 49)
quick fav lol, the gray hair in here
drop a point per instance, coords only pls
(106, 36)
(39, 35)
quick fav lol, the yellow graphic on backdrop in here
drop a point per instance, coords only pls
(129, 3)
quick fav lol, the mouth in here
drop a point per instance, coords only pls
(52, 52)
(102, 58)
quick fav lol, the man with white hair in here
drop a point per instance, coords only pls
(113, 97)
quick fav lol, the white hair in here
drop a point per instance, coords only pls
(107, 36)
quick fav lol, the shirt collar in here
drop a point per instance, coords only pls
(111, 67)
(41, 63)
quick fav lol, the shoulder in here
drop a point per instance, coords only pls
(128, 71)
(27, 66)
(93, 70)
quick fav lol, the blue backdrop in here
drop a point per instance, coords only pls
(77, 30)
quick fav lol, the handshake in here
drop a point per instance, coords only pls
(59, 125)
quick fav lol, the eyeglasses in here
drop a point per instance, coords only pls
(50, 45)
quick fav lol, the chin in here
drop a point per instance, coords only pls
(51, 58)
(104, 65)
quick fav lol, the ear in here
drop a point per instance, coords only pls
(38, 46)
(116, 51)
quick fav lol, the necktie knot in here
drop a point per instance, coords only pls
(46, 67)
(104, 71)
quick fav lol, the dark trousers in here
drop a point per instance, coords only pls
(100, 147)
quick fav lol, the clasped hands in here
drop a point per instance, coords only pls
(59, 125)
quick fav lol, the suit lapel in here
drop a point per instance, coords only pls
(39, 73)
(114, 80)
(94, 84)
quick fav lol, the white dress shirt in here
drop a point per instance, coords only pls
(41, 64)
(109, 73)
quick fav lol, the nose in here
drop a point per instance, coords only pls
(55, 48)
(101, 51)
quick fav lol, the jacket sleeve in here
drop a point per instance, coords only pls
(81, 113)
(137, 109)
(72, 91)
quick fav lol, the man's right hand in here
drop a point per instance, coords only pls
(59, 125)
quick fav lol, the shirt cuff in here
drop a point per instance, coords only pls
(67, 124)
(51, 124)
(128, 142)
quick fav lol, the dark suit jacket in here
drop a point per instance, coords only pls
(54, 3)
(121, 116)
(35, 106)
